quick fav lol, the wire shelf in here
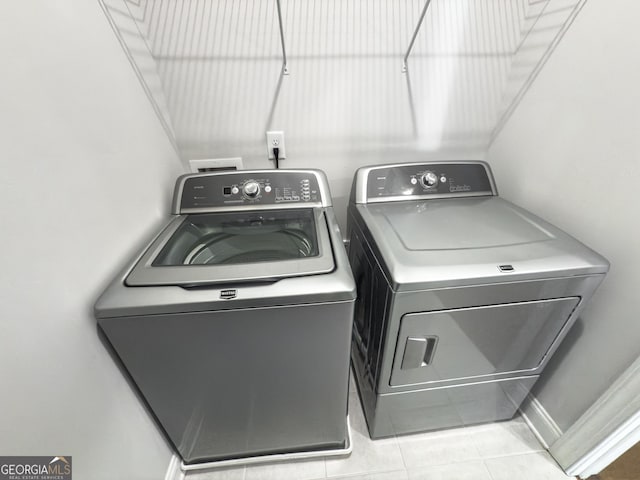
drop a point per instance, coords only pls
(218, 70)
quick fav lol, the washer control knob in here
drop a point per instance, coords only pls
(429, 179)
(251, 189)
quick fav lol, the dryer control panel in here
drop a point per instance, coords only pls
(254, 189)
(423, 180)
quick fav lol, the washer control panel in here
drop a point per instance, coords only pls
(230, 189)
(445, 179)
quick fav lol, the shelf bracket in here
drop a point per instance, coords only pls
(405, 65)
(285, 67)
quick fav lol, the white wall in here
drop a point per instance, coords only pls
(87, 173)
(571, 154)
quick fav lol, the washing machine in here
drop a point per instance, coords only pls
(234, 323)
(462, 296)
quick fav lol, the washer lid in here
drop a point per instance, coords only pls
(462, 241)
(236, 247)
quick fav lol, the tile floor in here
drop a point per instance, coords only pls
(497, 451)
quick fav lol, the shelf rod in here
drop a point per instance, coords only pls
(285, 68)
(413, 39)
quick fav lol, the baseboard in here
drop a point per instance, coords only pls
(607, 429)
(539, 421)
(625, 437)
(174, 472)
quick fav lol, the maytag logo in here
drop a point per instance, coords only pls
(228, 294)
(459, 188)
(35, 468)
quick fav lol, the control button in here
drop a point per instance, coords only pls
(267, 188)
(443, 179)
(429, 179)
(235, 190)
(414, 180)
(251, 189)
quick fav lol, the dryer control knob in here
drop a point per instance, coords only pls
(429, 179)
(251, 188)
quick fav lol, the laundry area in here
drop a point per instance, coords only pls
(320, 239)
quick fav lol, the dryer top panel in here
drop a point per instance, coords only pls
(416, 181)
(459, 223)
(465, 241)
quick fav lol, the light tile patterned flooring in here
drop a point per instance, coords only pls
(496, 451)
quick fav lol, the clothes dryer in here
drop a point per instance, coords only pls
(462, 296)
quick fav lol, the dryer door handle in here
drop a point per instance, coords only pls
(418, 352)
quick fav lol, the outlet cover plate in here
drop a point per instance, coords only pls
(275, 138)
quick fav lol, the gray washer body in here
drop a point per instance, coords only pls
(462, 296)
(241, 362)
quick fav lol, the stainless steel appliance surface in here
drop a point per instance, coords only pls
(462, 296)
(235, 322)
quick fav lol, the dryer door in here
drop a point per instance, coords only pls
(471, 343)
(232, 247)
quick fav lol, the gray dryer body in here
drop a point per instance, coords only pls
(462, 296)
(235, 322)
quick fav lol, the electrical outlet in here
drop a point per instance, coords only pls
(275, 139)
